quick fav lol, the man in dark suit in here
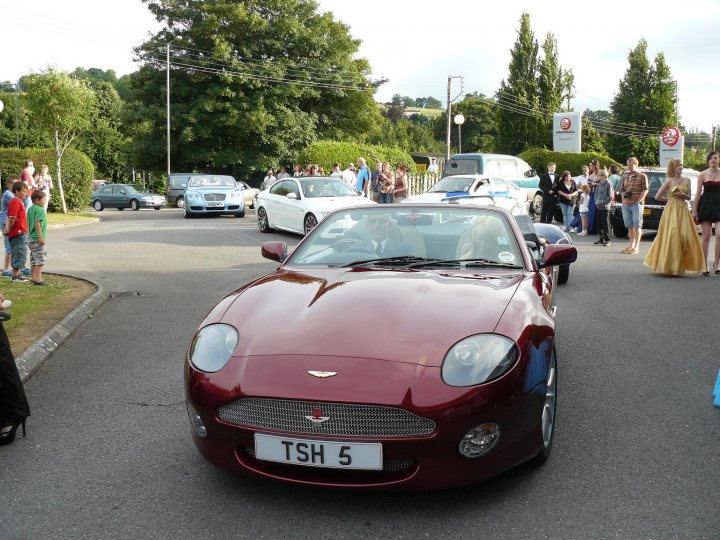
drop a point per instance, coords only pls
(547, 182)
(380, 242)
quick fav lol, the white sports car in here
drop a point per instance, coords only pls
(505, 193)
(299, 204)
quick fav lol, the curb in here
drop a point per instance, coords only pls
(83, 221)
(31, 360)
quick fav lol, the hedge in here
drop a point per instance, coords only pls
(538, 158)
(77, 173)
(326, 153)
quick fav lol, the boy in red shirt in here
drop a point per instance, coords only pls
(16, 229)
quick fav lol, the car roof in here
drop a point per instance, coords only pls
(475, 155)
(663, 170)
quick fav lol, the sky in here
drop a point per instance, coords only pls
(417, 44)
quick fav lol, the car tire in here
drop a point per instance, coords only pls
(98, 205)
(619, 231)
(121, 209)
(186, 214)
(563, 274)
(157, 208)
(134, 205)
(263, 222)
(180, 202)
(547, 418)
(536, 204)
(309, 223)
(239, 214)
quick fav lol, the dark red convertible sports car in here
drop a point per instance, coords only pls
(399, 346)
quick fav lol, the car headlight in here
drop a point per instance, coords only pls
(192, 195)
(478, 359)
(213, 346)
(236, 195)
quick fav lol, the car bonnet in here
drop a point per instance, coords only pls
(403, 316)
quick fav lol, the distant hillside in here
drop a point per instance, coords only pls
(430, 113)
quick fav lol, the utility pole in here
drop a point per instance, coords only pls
(449, 112)
(167, 92)
(447, 131)
(714, 135)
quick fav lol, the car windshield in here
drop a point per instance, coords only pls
(451, 184)
(133, 188)
(417, 237)
(462, 166)
(321, 187)
(211, 181)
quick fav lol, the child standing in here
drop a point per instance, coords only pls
(584, 209)
(16, 229)
(37, 226)
(7, 196)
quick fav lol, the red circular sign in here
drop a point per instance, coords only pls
(565, 123)
(671, 136)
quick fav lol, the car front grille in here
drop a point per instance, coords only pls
(339, 419)
(211, 197)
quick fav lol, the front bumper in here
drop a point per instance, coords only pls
(152, 204)
(416, 461)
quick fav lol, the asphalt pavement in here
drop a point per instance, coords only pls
(109, 455)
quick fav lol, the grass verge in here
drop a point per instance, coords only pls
(35, 310)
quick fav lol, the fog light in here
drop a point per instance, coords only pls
(480, 440)
(197, 422)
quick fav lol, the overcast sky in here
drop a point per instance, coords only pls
(417, 44)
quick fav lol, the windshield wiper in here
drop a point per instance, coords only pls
(464, 262)
(392, 260)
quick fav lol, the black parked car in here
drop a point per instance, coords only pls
(652, 211)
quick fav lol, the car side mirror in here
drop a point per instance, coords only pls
(122, 192)
(292, 195)
(558, 254)
(275, 251)
(530, 173)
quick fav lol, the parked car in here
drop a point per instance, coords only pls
(299, 204)
(653, 209)
(430, 366)
(250, 194)
(472, 184)
(175, 188)
(208, 195)
(177, 183)
(122, 196)
(499, 166)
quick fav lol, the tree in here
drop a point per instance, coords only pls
(104, 143)
(518, 96)
(641, 108)
(479, 132)
(551, 84)
(395, 110)
(591, 140)
(252, 83)
(432, 103)
(63, 107)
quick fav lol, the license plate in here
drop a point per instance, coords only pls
(646, 211)
(215, 204)
(315, 453)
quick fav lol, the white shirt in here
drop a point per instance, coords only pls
(433, 168)
(584, 200)
(337, 174)
(580, 180)
(269, 181)
(349, 177)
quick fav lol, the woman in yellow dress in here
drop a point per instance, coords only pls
(676, 248)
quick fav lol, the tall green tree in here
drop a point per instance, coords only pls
(252, 83)
(479, 132)
(550, 89)
(105, 143)
(592, 141)
(63, 107)
(643, 106)
(518, 96)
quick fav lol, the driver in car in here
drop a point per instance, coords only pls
(380, 242)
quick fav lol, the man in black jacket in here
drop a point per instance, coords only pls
(547, 181)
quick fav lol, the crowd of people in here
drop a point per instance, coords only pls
(383, 185)
(585, 202)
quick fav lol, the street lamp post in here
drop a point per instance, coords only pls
(459, 120)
